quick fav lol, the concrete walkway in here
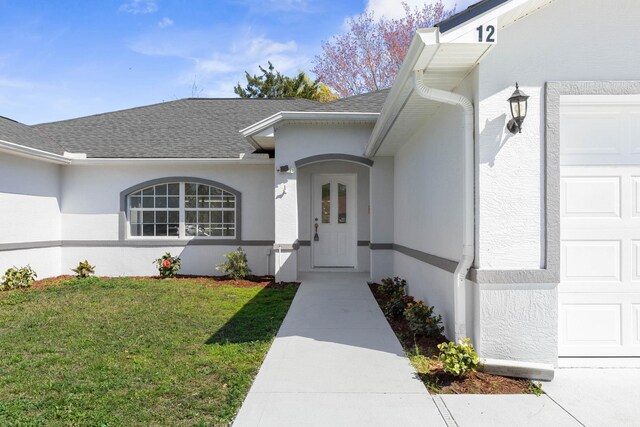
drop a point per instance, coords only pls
(336, 362)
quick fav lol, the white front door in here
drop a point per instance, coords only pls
(599, 293)
(333, 220)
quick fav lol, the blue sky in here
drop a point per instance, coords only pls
(63, 59)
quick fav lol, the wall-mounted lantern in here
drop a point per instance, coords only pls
(518, 104)
(285, 169)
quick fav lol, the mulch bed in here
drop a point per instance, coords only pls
(432, 374)
(209, 281)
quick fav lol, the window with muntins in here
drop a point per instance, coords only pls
(182, 210)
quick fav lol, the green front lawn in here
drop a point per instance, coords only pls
(107, 352)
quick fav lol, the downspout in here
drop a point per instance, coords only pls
(468, 232)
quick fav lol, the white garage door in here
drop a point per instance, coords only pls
(599, 293)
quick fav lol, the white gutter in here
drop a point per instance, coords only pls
(468, 234)
(101, 161)
(22, 150)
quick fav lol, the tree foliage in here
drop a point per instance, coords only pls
(368, 56)
(273, 84)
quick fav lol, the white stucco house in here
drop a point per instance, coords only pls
(527, 242)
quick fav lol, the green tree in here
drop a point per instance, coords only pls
(273, 84)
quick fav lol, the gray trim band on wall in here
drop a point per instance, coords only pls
(308, 243)
(29, 245)
(434, 260)
(130, 243)
(380, 246)
(122, 220)
(334, 156)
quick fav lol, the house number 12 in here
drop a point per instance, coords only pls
(486, 34)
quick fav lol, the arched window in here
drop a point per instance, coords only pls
(182, 210)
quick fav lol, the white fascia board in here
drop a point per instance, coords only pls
(101, 161)
(34, 153)
(491, 15)
(304, 116)
(397, 98)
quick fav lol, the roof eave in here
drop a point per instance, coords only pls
(34, 153)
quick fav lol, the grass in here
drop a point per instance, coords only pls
(112, 352)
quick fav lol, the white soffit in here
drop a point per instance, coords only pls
(446, 67)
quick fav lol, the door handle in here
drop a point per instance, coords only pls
(315, 236)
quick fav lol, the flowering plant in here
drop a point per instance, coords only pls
(393, 287)
(421, 319)
(168, 265)
(458, 359)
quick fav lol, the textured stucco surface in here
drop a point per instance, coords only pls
(518, 322)
(511, 169)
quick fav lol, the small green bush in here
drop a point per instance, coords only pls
(422, 320)
(168, 265)
(458, 359)
(393, 286)
(236, 266)
(395, 306)
(84, 269)
(15, 278)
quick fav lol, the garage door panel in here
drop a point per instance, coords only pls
(590, 132)
(591, 325)
(635, 321)
(591, 261)
(586, 197)
(599, 292)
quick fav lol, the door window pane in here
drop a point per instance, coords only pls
(326, 203)
(342, 204)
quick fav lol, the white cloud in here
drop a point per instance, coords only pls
(165, 22)
(139, 7)
(216, 65)
(393, 8)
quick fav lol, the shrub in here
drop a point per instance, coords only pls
(168, 265)
(15, 278)
(422, 320)
(236, 265)
(84, 269)
(395, 305)
(458, 359)
(393, 286)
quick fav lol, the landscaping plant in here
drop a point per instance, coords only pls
(458, 359)
(393, 286)
(84, 269)
(236, 266)
(168, 265)
(395, 306)
(15, 278)
(422, 321)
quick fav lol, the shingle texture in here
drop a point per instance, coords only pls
(187, 128)
(28, 136)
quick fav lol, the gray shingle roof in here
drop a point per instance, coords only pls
(193, 128)
(28, 136)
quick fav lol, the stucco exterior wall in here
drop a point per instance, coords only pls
(557, 43)
(29, 212)
(91, 202)
(296, 142)
(30, 200)
(565, 41)
(428, 174)
(382, 209)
